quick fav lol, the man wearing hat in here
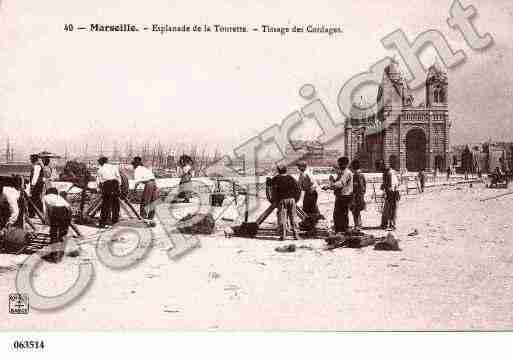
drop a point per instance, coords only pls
(185, 164)
(285, 193)
(391, 188)
(309, 187)
(9, 207)
(36, 184)
(342, 187)
(108, 179)
(143, 175)
(58, 216)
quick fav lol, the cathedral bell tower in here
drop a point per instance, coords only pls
(436, 87)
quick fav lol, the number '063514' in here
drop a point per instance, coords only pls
(28, 344)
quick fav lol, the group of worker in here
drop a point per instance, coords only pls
(44, 198)
(349, 187)
(41, 177)
(109, 180)
(53, 206)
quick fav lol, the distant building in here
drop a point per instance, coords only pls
(485, 156)
(313, 153)
(402, 134)
(500, 154)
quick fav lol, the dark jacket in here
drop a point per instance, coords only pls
(387, 180)
(359, 188)
(5, 210)
(283, 187)
(39, 180)
(359, 183)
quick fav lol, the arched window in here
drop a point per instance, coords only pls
(442, 97)
(435, 95)
(360, 143)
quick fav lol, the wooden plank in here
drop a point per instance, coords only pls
(125, 201)
(266, 214)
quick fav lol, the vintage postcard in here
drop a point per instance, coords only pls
(256, 166)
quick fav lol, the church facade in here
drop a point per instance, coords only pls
(402, 134)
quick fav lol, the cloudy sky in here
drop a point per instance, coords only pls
(71, 88)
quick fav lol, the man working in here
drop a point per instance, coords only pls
(359, 188)
(58, 215)
(49, 173)
(422, 179)
(391, 188)
(342, 187)
(9, 207)
(36, 185)
(108, 179)
(285, 193)
(185, 187)
(308, 186)
(496, 176)
(143, 175)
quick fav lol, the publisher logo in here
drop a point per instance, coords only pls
(18, 303)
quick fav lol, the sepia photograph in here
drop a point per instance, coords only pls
(268, 166)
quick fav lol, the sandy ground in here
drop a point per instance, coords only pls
(457, 273)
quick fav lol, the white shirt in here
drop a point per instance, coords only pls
(143, 174)
(35, 175)
(12, 195)
(54, 200)
(108, 172)
(49, 173)
(345, 183)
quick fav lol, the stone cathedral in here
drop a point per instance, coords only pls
(405, 135)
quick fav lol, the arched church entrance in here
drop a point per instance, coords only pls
(416, 150)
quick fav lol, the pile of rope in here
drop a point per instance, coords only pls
(75, 199)
(76, 173)
(197, 224)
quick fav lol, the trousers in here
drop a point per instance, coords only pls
(60, 220)
(149, 196)
(287, 211)
(341, 213)
(110, 202)
(310, 203)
